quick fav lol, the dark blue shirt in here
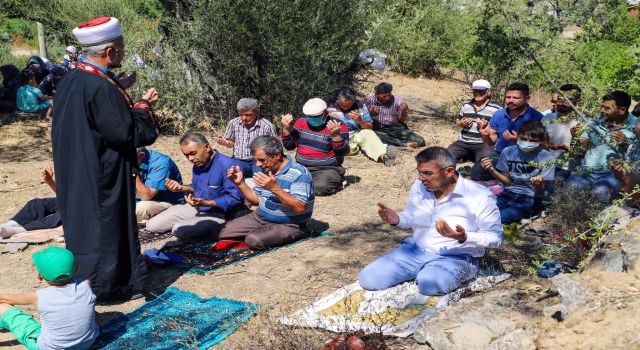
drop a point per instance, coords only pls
(501, 122)
(154, 170)
(211, 183)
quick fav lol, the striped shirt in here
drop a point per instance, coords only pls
(315, 147)
(470, 134)
(242, 136)
(296, 180)
(388, 114)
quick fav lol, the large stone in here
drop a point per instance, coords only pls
(489, 321)
(630, 245)
(608, 261)
(572, 293)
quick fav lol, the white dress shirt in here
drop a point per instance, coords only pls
(470, 205)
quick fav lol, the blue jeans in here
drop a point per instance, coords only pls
(515, 207)
(604, 185)
(248, 167)
(434, 274)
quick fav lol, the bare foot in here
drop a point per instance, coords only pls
(412, 145)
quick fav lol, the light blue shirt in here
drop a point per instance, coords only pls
(599, 152)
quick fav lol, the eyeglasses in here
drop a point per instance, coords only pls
(427, 174)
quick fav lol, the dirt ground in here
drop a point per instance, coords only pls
(279, 281)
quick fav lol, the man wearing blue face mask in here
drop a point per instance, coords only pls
(321, 143)
(525, 169)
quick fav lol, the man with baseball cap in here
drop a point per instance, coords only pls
(321, 143)
(96, 129)
(469, 146)
(66, 306)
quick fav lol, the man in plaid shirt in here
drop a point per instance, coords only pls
(244, 129)
(389, 114)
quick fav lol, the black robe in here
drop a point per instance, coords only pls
(95, 134)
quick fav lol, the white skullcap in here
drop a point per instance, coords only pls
(98, 31)
(314, 107)
(71, 49)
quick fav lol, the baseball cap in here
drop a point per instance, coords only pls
(481, 85)
(55, 264)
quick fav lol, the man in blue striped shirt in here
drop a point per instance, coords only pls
(284, 195)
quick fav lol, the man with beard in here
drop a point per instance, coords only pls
(96, 130)
(453, 220)
(607, 137)
(501, 131)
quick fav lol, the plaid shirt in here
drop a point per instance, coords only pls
(387, 114)
(242, 136)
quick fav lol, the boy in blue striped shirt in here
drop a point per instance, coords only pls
(284, 195)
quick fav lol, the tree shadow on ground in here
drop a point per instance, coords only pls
(104, 317)
(37, 149)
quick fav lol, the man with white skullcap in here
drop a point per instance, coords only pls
(96, 129)
(70, 57)
(321, 143)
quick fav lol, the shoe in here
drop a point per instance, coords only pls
(390, 156)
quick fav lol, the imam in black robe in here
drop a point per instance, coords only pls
(95, 134)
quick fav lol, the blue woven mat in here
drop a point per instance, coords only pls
(175, 320)
(196, 257)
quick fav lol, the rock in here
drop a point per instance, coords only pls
(572, 294)
(487, 321)
(15, 247)
(630, 245)
(607, 261)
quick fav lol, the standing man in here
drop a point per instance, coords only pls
(96, 130)
(453, 220)
(469, 145)
(244, 129)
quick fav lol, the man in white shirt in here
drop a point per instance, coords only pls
(453, 221)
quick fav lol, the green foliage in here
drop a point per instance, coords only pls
(419, 36)
(281, 53)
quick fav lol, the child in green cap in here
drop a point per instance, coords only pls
(66, 307)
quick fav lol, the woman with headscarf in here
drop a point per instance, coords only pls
(10, 86)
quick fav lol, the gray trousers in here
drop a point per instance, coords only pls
(327, 180)
(185, 222)
(259, 233)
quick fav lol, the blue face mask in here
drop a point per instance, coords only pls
(316, 121)
(528, 146)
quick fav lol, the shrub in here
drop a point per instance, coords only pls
(281, 53)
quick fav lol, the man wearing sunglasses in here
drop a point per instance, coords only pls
(453, 220)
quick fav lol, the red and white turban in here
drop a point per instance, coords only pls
(98, 31)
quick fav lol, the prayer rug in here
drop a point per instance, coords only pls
(175, 320)
(146, 237)
(201, 257)
(396, 311)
